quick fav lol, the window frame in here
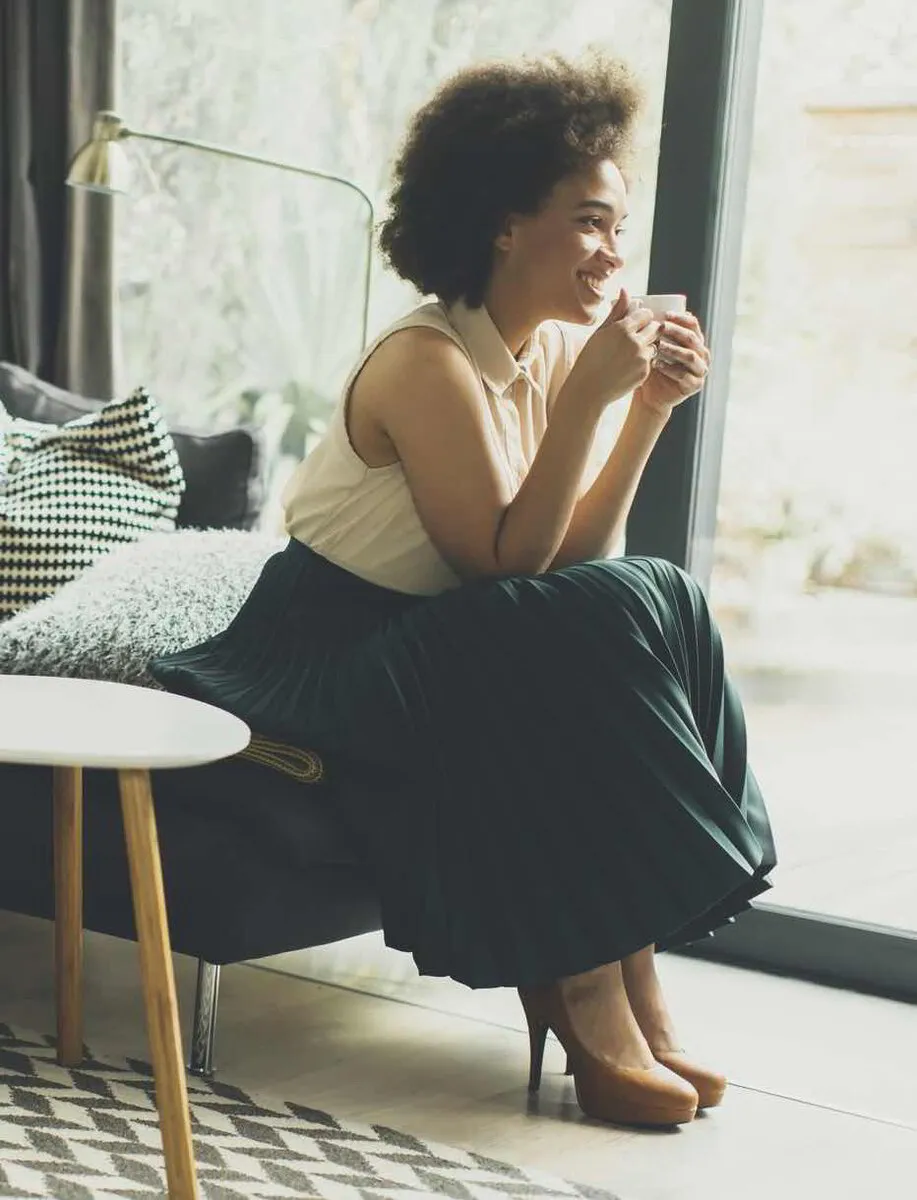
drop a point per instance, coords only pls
(704, 157)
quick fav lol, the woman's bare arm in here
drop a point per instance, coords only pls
(599, 518)
(601, 515)
(426, 397)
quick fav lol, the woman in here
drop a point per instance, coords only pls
(535, 746)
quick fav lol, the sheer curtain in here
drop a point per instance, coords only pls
(57, 314)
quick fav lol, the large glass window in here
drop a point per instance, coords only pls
(240, 286)
(815, 581)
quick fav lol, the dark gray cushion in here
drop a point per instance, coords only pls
(224, 471)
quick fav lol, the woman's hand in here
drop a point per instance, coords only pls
(680, 365)
(618, 355)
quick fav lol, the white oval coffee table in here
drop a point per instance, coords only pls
(69, 724)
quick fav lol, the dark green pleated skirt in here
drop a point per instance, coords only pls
(543, 773)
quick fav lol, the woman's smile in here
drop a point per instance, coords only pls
(593, 284)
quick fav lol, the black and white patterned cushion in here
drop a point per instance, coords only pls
(226, 470)
(70, 493)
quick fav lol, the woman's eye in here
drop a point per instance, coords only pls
(598, 222)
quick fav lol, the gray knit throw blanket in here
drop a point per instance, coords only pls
(164, 593)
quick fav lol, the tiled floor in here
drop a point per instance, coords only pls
(823, 1102)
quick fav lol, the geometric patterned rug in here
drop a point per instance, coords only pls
(92, 1133)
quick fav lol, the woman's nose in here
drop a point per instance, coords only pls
(611, 257)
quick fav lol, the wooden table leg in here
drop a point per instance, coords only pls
(158, 982)
(68, 913)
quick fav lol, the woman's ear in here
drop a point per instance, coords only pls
(504, 239)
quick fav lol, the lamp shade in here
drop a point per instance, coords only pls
(102, 165)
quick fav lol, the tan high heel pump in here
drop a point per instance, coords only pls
(709, 1085)
(623, 1095)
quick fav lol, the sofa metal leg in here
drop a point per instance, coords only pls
(205, 1019)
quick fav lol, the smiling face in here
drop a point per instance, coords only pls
(563, 257)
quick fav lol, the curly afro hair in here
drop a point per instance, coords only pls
(493, 140)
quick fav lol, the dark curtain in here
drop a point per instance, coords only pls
(58, 65)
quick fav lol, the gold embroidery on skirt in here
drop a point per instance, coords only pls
(303, 765)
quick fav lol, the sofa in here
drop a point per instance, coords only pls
(254, 861)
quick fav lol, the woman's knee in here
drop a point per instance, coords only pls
(665, 568)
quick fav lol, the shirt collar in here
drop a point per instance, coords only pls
(496, 363)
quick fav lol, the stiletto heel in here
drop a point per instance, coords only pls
(538, 1034)
(624, 1095)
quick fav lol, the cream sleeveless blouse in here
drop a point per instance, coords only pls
(363, 518)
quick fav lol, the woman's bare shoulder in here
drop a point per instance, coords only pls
(400, 374)
(412, 357)
(426, 343)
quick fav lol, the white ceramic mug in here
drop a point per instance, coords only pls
(664, 302)
(661, 303)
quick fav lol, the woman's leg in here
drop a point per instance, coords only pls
(651, 1013)
(644, 993)
(601, 1017)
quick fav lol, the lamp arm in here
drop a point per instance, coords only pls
(280, 165)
